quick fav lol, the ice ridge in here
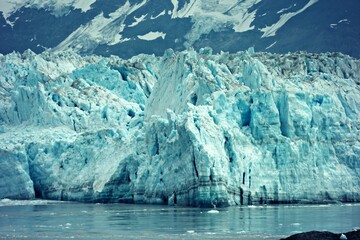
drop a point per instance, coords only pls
(188, 128)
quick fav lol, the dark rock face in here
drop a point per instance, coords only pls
(315, 235)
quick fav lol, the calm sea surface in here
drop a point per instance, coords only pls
(62, 220)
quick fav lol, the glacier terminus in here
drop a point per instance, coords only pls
(188, 128)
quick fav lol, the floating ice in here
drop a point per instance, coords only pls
(343, 236)
(213, 211)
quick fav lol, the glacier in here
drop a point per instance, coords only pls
(188, 128)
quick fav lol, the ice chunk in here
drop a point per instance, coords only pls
(213, 211)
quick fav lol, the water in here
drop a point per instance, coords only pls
(64, 220)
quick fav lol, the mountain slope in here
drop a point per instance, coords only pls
(127, 28)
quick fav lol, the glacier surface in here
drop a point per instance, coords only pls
(188, 128)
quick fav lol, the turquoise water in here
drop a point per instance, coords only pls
(63, 220)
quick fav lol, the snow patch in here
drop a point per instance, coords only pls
(285, 9)
(214, 16)
(84, 5)
(137, 20)
(152, 36)
(159, 15)
(58, 8)
(174, 11)
(335, 25)
(271, 45)
(118, 39)
(343, 20)
(100, 30)
(245, 23)
(271, 30)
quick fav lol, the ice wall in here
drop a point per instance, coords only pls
(188, 128)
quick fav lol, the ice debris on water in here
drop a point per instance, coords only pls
(187, 128)
(213, 211)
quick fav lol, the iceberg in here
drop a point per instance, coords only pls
(188, 128)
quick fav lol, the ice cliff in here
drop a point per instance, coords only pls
(187, 128)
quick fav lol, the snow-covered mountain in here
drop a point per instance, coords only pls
(191, 128)
(127, 28)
